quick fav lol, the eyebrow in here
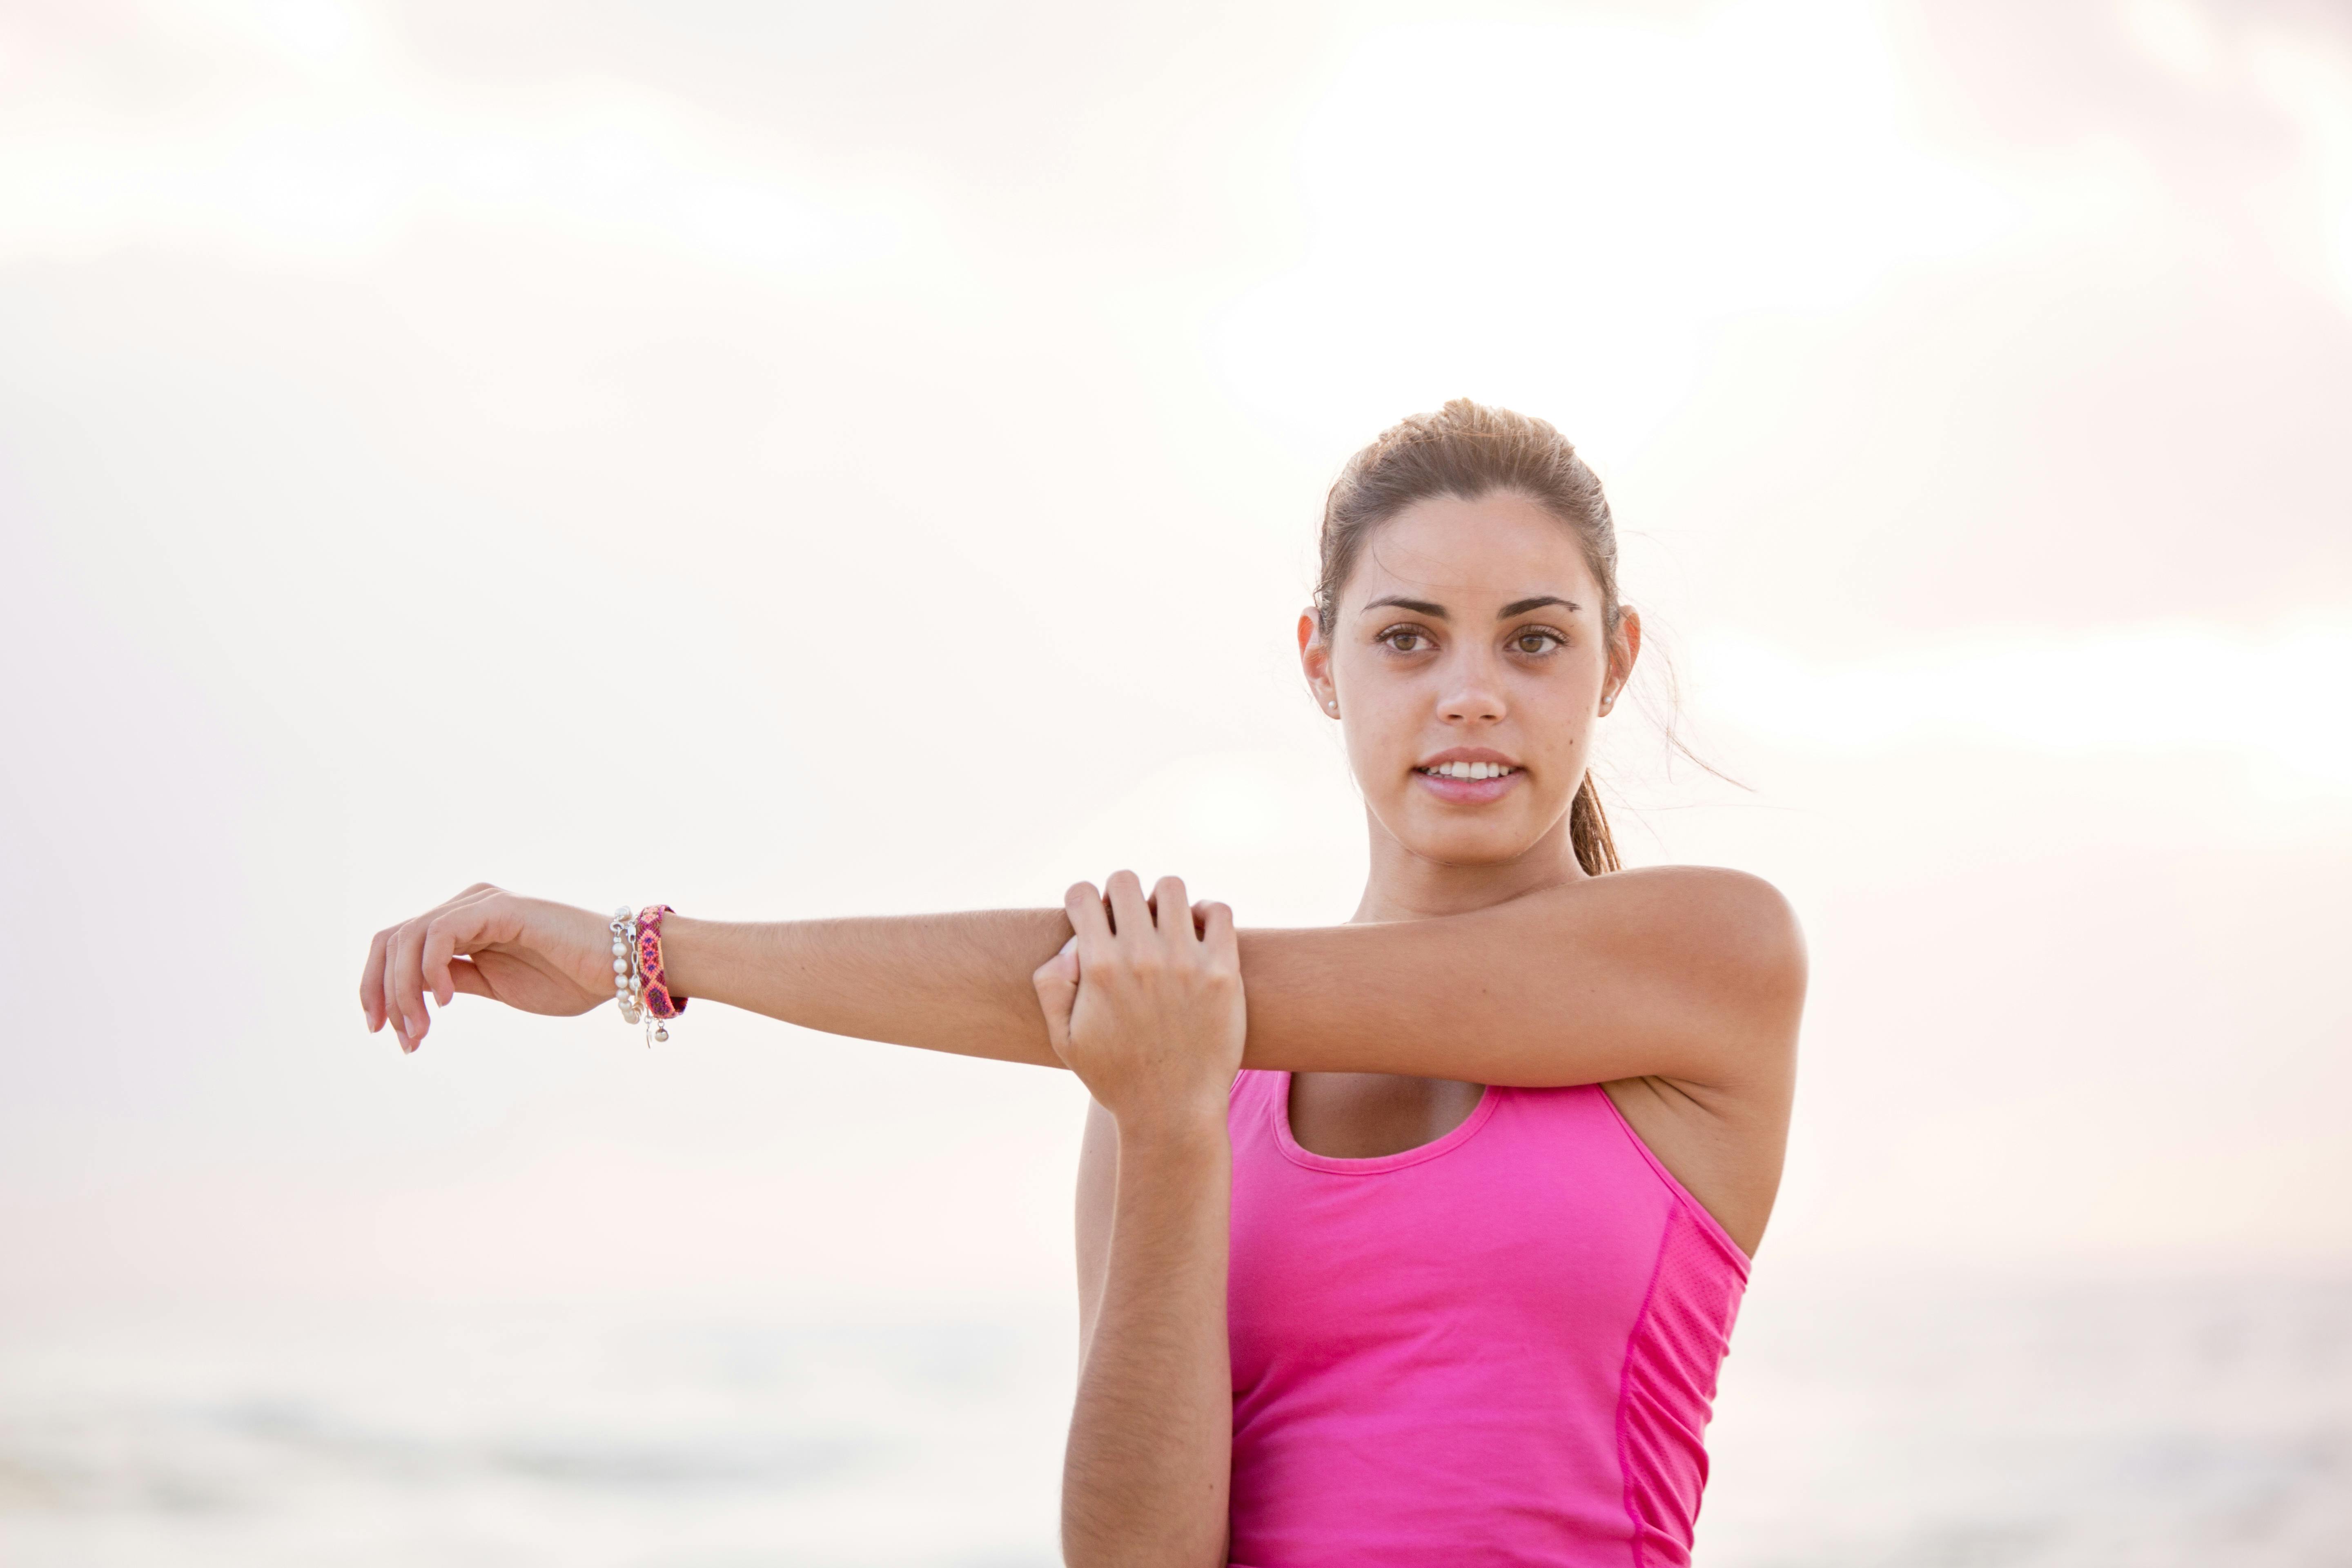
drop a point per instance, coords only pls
(1516, 607)
(1521, 606)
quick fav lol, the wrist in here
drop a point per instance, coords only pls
(1175, 1128)
(685, 955)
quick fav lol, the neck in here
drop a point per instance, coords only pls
(1404, 886)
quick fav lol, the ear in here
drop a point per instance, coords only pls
(1315, 660)
(1623, 649)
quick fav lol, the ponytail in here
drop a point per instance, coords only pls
(1587, 830)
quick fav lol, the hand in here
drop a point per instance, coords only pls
(1145, 1002)
(526, 952)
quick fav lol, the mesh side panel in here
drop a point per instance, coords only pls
(1669, 1392)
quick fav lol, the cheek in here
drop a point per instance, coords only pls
(1571, 694)
(1382, 728)
(1376, 733)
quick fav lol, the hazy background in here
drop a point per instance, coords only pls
(784, 460)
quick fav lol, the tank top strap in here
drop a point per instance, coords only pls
(1249, 1106)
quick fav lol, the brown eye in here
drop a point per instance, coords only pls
(1404, 639)
(1537, 641)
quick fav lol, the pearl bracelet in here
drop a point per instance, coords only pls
(627, 984)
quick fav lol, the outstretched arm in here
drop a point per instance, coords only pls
(1686, 972)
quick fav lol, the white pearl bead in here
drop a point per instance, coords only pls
(620, 966)
(619, 947)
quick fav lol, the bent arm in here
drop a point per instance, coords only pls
(1150, 1461)
(1684, 972)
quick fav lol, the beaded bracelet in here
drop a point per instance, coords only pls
(653, 987)
(626, 982)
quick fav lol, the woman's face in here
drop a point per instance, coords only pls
(1470, 633)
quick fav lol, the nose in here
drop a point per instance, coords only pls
(1473, 692)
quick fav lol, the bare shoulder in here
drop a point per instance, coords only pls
(1724, 944)
(1723, 957)
(1734, 917)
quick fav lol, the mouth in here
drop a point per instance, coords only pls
(1469, 783)
(1471, 770)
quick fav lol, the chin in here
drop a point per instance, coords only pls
(1469, 843)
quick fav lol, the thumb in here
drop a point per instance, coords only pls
(1057, 980)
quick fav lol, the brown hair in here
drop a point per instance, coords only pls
(1469, 451)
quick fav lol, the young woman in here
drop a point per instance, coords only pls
(1428, 1249)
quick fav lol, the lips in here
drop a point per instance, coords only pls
(1467, 770)
(1468, 775)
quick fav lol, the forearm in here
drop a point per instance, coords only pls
(957, 983)
(1146, 1476)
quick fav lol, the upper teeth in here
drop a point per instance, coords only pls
(1468, 770)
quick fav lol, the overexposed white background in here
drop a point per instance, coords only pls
(790, 461)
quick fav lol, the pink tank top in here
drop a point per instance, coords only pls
(1499, 1347)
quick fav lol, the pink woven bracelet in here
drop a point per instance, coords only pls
(656, 996)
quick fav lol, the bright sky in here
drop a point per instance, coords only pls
(867, 459)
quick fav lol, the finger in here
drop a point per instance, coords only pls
(372, 984)
(1059, 974)
(1057, 980)
(405, 978)
(1217, 933)
(1089, 921)
(448, 932)
(1057, 997)
(466, 976)
(392, 1017)
(1171, 911)
(1131, 917)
